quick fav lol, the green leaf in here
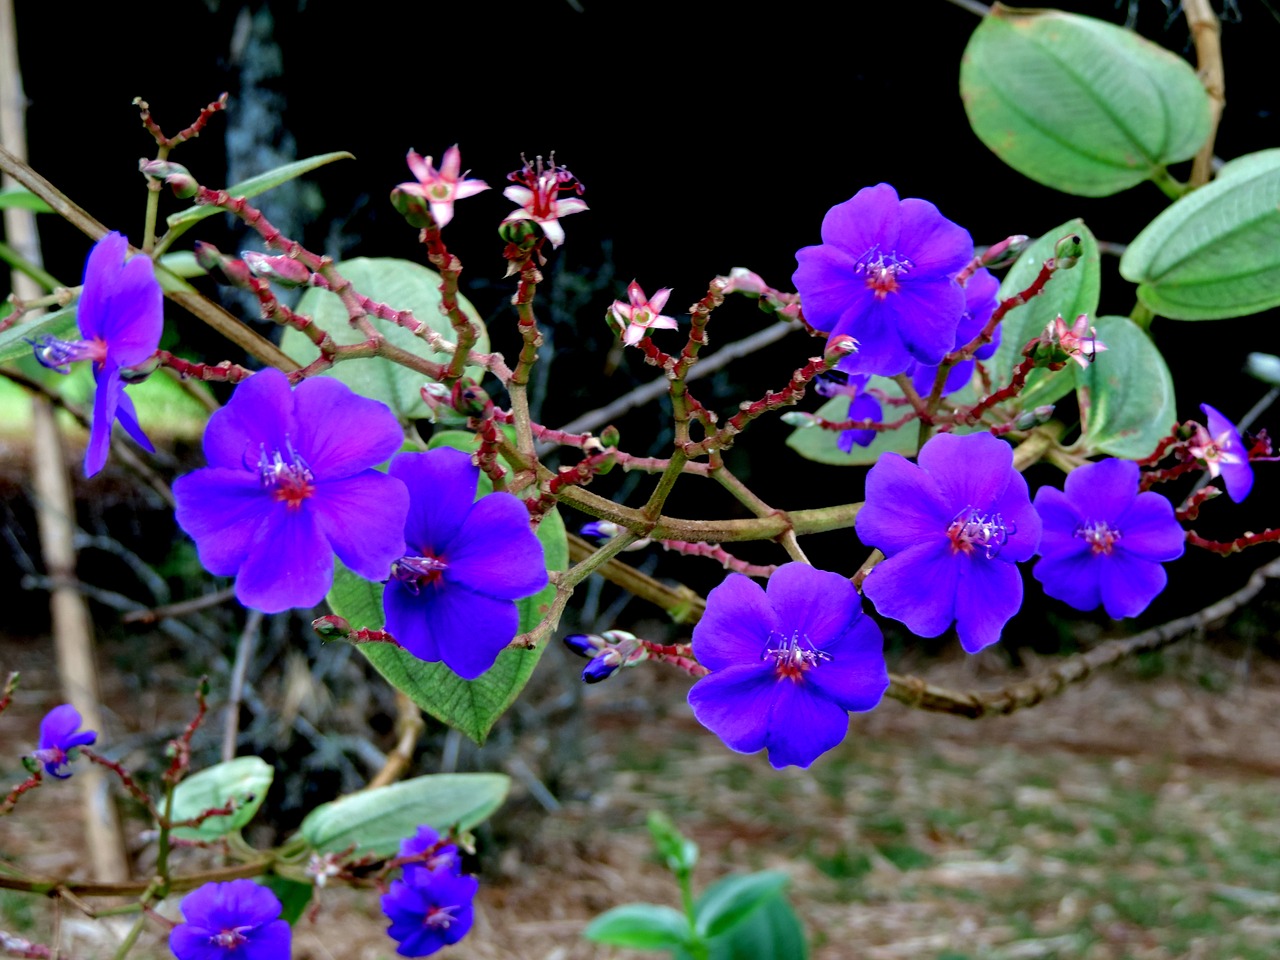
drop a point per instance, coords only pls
(728, 902)
(182, 221)
(60, 324)
(640, 926)
(23, 199)
(1079, 104)
(403, 285)
(244, 779)
(1216, 252)
(1068, 292)
(1126, 394)
(814, 443)
(294, 895)
(769, 932)
(182, 264)
(375, 821)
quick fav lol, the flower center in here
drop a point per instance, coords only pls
(972, 530)
(286, 474)
(416, 572)
(51, 756)
(1100, 537)
(792, 657)
(230, 938)
(60, 354)
(881, 270)
(439, 917)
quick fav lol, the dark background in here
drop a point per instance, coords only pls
(708, 136)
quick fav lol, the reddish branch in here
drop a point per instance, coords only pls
(189, 133)
(1233, 546)
(224, 372)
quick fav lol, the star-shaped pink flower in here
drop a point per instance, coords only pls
(636, 318)
(440, 188)
(538, 196)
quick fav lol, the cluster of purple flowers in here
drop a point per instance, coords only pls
(430, 906)
(291, 482)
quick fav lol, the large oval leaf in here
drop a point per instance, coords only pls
(1126, 394)
(640, 926)
(1068, 292)
(403, 285)
(244, 780)
(1216, 252)
(1079, 104)
(375, 821)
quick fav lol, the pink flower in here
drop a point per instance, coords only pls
(637, 318)
(439, 188)
(1078, 342)
(538, 196)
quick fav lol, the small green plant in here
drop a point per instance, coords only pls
(742, 917)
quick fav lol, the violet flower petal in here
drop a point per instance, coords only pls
(1151, 529)
(222, 510)
(802, 727)
(988, 595)
(917, 586)
(903, 506)
(736, 625)
(105, 401)
(404, 620)
(735, 703)
(360, 516)
(259, 418)
(856, 677)
(791, 591)
(289, 564)
(495, 552)
(327, 412)
(442, 487)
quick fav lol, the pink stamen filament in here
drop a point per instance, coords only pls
(441, 917)
(1100, 537)
(417, 572)
(286, 475)
(972, 530)
(794, 656)
(882, 270)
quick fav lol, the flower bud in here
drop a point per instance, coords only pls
(583, 644)
(602, 667)
(521, 233)
(1068, 251)
(470, 399)
(160, 169)
(140, 372)
(1033, 418)
(610, 436)
(1002, 254)
(798, 419)
(331, 627)
(218, 265)
(285, 271)
(744, 281)
(412, 208)
(1264, 367)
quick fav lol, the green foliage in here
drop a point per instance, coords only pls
(375, 821)
(639, 926)
(1078, 104)
(1068, 292)
(22, 199)
(769, 932)
(182, 221)
(1216, 252)
(1126, 393)
(294, 896)
(678, 852)
(244, 780)
(407, 286)
(59, 323)
(727, 903)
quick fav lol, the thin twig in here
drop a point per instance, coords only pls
(1207, 34)
(244, 655)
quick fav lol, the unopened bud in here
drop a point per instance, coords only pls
(470, 399)
(140, 372)
(602, 667)
(412, 208)
(331, 627)
(610, 436)
(583, 644)
(218, 265)
(1068, 251)
(839, 347)
(798, 419)
(1033, 418)
(1264, 367)
(1002, 254)
(744, 281)
(522, 233)
(285, 271)
(160, 169)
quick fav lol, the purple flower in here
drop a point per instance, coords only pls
(429, 911)
(786, 666)
(980, 301)
(289, 484)
(443, 856)
(885, 274)
(60, 733)
(237, 919)
(952, 530)
(862, 405)
(1104, 541)
(452, 597)
(120, 315)
(1223, 453)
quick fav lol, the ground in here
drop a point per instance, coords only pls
(1135, 817)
